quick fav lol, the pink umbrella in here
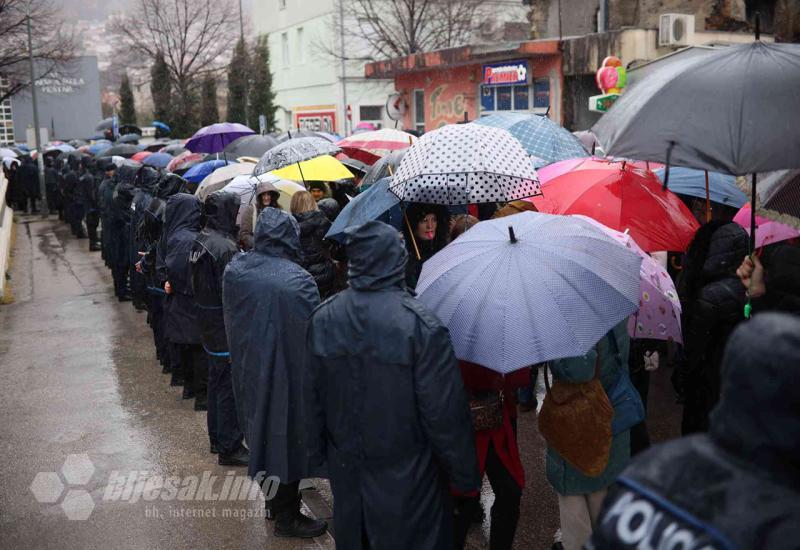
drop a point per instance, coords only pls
(369, 147)
(659, 315)
(546, 173)
(767, 231)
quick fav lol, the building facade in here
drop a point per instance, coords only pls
(6, 120)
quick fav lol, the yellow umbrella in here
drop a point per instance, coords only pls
(322, 168)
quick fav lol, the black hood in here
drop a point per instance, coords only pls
(728, 247)
(169, 184)
(127, 172)
(277, 234)
(146, 179)
(377, 256)
(184, 211)
(758, 415)
(330, 208)
(221, 209)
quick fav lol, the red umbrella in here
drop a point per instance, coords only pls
(624, 198)
(141, 155)
(368, 147)
(185, 160)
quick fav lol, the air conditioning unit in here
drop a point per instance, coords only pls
(675, 29)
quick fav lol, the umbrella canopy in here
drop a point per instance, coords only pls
(297, 133)
(385, 167)
(129, 138)
(376, 203)
(364, 127)
(161, 126)
(322, 168)
(548, 288)
(622, 198)
(721, 187)
(330, 136)
(659, 314)
(245, 187)
(155, 146)
(542, 138)
(105, 124)
(779, 197)
(56, 149)
(129, 129)
(369, 147)
(465, 164)
(220, 177)
(358, 168)
(293, 151)
(214, 138)
(767, 230)
(174, 149)
(7, 153)
(157, 160)
(199, 171)
(250, 146)
(550, 171)
(99, 147)
(126, 150)
(141, 155)
(78, 142)
(711, 112)
(184, 161)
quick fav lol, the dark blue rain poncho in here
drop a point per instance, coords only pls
(268, 299)
(386, 405)
(182, 225)
(120, 215)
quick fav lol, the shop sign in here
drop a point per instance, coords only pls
(505, 73)
(602, 103)
(324, 121)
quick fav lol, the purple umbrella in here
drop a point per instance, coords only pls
(214, 138)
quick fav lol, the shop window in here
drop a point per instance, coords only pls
(370, 113)
(506, 98)
(541, 93)
(419, 111)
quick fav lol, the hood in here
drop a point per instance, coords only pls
(277, 234)
(169, 184)
(377, 256)
(330, 208)
(146, 179)
(759, 407)
(184, 211)
(221, 209)
(726, 250)
(127, 172)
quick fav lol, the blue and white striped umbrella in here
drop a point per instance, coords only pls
(550, 291)
(544, 140)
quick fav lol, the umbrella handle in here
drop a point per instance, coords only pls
(666, 168)
(411, 232)
(748, 307)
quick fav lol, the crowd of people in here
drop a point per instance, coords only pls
(315, 359)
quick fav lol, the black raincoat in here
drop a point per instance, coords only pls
(182, 225)
(386, 405)
(214, 247)
(144, 188)
(315, 257)
(268, 299)
(738, 486)
(120, 215)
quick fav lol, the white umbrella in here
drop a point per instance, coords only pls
(7, 153)
(245, 187)
(220, 177)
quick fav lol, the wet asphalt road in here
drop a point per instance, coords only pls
(91, 429)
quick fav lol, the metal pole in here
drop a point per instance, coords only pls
(241, 20)
(344, 66)
(40, 154)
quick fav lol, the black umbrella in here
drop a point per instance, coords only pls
(105, 124)
(291, 134)
(156, 146)
(129, 129)
(121, 150)
(175, 149)
(384, 167)
(129, 138)
(250, 146)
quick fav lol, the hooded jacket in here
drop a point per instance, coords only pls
(181, 227)
(386, 405)
(213, 248)
(145, 184)
(267, 302)
(739, 485)
(119, 213)
(249, 213)
(315, 258)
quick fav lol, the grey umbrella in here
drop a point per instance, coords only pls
(294, 151)
(250, 146)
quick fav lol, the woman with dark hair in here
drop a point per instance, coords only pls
(712, 299)
(430, 232)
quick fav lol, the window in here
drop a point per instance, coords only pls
(285, 48)
(419, 111)
(541, 93)
(505, 98)
(300, 46)
(281, 4)
(370, 113)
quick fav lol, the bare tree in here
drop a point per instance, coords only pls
(53, 47)
(195, 38)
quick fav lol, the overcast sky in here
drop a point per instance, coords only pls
(99, 9)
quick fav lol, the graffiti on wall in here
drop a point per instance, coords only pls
(446, 107)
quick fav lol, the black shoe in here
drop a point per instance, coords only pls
(188, 393)
(177, 380)
(213, 449)
(301, 527)
(201, 404)
(94, 247)
(236, 458)
(125, 298)
(166, 369)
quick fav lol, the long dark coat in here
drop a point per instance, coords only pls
(386, 405)
(120, 216)
(268, 299)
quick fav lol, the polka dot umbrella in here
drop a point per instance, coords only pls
(465, 164)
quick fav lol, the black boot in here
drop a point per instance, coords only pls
(94, 246)
(201, 402)
(188, 393)
(240, 457)
(213, 449)
(300, 526)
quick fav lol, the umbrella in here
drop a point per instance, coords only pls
(778, 197)
(357, 167)
(129, 129)
(387, 166)
(298, 133)
(659, 314)
(141, 155)
(465, 164)
(540, 137)
(546, 173)
(767, 231)
(322, 168)
(530, 288)
(376, 203)
(214, 138)
(157, 160)
(57, 149)
(104, 124)
(199, 171)
(126, 150)
(369, 147)
(622, 198)
(156, 146)
(245, 187)
(250, 146)
(161, 126)
(174, 149)
(7, 153)
(721, 187)
(330, 136)
(78, 142)
(129, 138)
(364, 127)
(99, 147)
(184, 161)
(220, 177)
(293, 151)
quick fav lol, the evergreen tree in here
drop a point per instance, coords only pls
(185, 113)
(161, 89)
(262, 98)
(127, 109)
(209, 114)
(237, 84)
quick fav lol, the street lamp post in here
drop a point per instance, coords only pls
(38, 137)
(344, 66)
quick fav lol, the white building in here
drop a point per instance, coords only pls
(308, 80)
